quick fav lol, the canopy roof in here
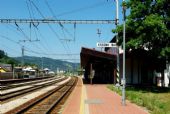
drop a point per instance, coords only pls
(92, 55)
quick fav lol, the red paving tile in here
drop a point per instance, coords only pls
(100, 100)
(108, 102)
(73, 104)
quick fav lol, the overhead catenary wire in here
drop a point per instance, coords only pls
(42, 36)
(25, 36)
(29, 50)
(60, 24)
(63, 29)
(45, 45)
(64, 56)
(28, 39)
(13, 28)
(55, 54)
(83, 8)
(35, 26)
(10, 49)
(2, 36)
(10, 39)
(31, 14)
(49, 25)
(18, 28)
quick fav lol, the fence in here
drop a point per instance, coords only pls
(6, 75)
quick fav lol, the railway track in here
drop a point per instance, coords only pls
(6, 96)
(50, 102)
(8, 84)
(12, 81)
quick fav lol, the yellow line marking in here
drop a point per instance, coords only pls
(82, 100)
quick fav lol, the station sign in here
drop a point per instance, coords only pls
(106, 44)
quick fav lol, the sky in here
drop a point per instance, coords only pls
(47, 39)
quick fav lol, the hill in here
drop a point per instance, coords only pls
(52, 64)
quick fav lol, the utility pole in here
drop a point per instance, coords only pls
(74, 32)
(124, 32)
(22, 49)
(42, 66)
(42, 63)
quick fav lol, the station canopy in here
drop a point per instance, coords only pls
(88, 55)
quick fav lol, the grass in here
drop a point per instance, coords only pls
(156, 100)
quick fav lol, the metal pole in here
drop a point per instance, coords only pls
(123, 80)
(13, 73)
(22, 55)
(116, 23)
(42, 63)
(91, 74)
(42, 66)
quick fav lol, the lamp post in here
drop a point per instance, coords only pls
(124, 32)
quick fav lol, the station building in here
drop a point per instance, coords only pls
(141, 68)
(102, 63)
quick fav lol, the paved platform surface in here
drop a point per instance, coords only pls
(103, 101)
(73, 104)
(98, 99)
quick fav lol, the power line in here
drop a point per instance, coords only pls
(8, 48)
(60, 24)
(41, 35)
(13, 28)
(49, 25)
(29, 7)
(81, 9)
(18, 28)
(57, 54)
(25, 35)
(27, 38)
(2, 36)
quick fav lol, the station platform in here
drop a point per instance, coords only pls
(98, 99)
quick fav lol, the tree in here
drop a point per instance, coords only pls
(148, 27)
(5, 59)
(2, 54)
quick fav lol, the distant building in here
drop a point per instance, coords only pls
(46, 70)
(6, 71)
(29, 72)
(6, 67)
(2, 69)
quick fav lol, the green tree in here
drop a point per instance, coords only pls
(148, 26)
(5, 59)
(2, 54)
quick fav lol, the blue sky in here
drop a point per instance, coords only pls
(50, 44)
